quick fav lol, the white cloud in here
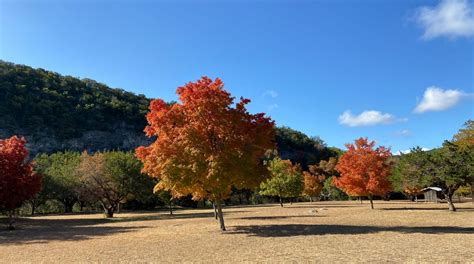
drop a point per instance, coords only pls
(271, 93)
(450, 18)
(437, 99)
(272, 107)
(366, 118)
(400, 152)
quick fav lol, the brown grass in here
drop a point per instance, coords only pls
(337, 232)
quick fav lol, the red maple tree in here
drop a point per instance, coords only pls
(18, 182)
(205, 144)
(364, 170)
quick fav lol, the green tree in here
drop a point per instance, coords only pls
(452, 167)
(60, 179)
(409, 175)
(285, 182)
(112, 178)
(465, 136)
(330, 192)
(465, 139)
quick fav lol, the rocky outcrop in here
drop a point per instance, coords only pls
(120, 137)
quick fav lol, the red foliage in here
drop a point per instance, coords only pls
(364, 170)
(18, 182)
(205, 144)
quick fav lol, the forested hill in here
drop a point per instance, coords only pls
(56, 112)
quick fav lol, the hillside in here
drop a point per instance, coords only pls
(56, 112)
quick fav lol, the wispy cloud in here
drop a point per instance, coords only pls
(450, 18)
(366, 118)
(403, 133)
(271, 93)
(437, 99)
(272, 107)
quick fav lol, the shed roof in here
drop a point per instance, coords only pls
(432, 188)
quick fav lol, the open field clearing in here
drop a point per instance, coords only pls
(320, 232)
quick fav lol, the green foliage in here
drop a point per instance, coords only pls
(464, 190)
(330, 192)
(448, 167)
(39, 100)
(60, 181)
(409, 175)
(113, 178)
(301, 149)
(286, 180)
(124, 170)
(452, 166)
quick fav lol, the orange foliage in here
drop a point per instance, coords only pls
(413, 191)
(204, 143)
(364, 170)
(312, 184)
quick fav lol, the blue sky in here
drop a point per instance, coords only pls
(400, 72)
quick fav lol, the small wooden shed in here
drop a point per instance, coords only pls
(432, 194)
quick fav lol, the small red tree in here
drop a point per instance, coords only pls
(205, 144)
(364, 170)
(18, 182)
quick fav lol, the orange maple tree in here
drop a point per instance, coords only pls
(312, 184)
(18, 182)
(364, 170)
(205, 144)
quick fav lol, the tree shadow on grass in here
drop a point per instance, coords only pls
(424, 209)
(276, 217)
(317, 206)
(159, 217)
(44, 231)
(311, 230)
(167, 216)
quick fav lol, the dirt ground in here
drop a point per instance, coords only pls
(302, 232)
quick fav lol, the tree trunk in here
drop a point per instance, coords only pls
(281, 202)
(109, 212)
(33, 208)
(68, 205)
(11, 220)
(449, 199)
(472, 192)
(371, 202)
(215, 210)
(118, 208)
(171, 207)
(220, 214)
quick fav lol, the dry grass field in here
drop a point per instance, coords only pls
(302, 232)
